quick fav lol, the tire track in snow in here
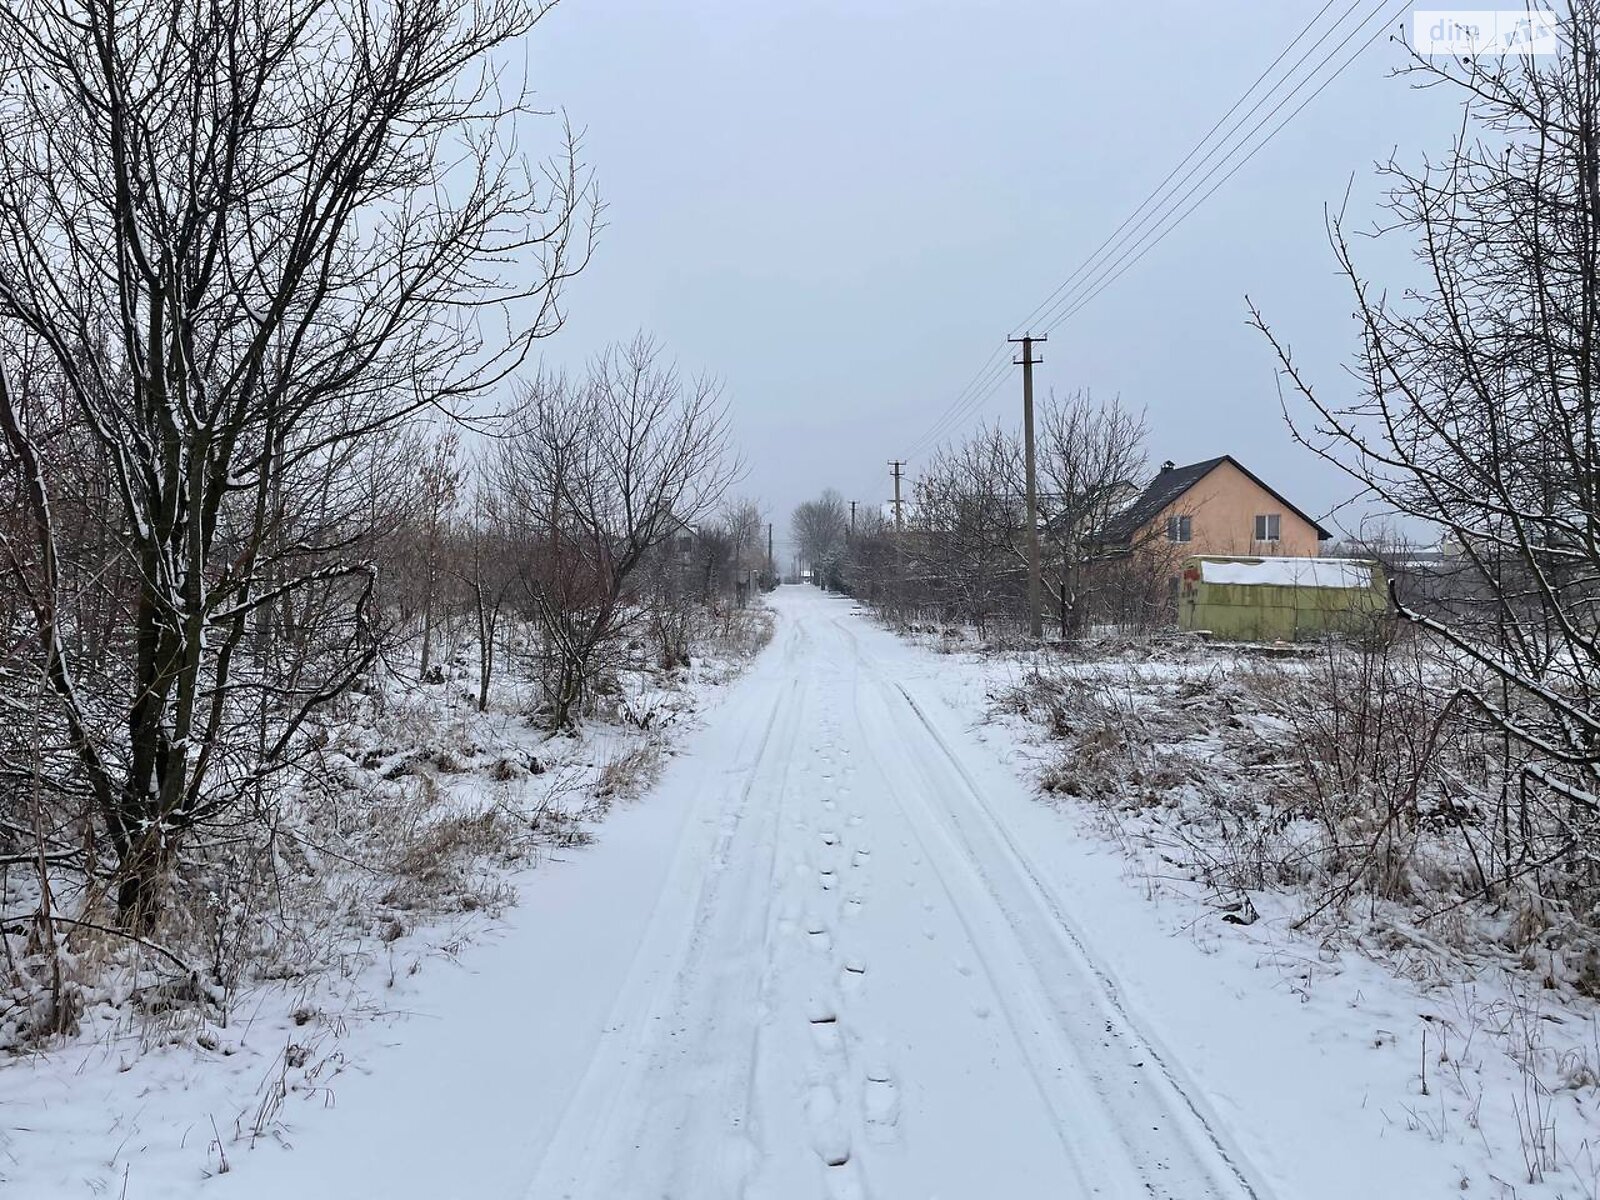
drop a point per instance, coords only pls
(1205, 1122)
(603, 1146)
(986, 849)
(1184, 1157)
(962, 907)
(876, 1091)
(798, 1025)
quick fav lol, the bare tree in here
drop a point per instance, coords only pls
(713, 561)
(610, 468)
(962, 556)
(234, 241)
(1091, 456)
(488, 574)
(966, 555)
(873, 567)
(439, 484)
(1477, 412)
(820, 528)
(743, 523)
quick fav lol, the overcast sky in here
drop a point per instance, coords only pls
(840, 207)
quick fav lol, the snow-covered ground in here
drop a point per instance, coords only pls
(841, 950)
(1436, 1048)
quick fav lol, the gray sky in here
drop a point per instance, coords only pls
(839, 207)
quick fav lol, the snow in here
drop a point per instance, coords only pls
(854, 988)
(1290, 572)
(841, 950)
(1374, 1059)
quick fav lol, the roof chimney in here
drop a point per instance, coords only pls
(1166, 466)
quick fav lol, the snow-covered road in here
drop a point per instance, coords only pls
(856, 984)
(840, 949)
(835, 953)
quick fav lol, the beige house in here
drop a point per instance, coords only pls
(1214, 507)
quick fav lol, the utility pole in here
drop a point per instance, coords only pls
(852, 518)
(772, 563)
(897, 469)
(1026, 362)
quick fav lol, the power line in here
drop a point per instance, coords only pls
(981, 387)
(1061, 307)
(984, 373)
(1224, 150)
(1159, 237)
(1155, 233)
(989, 378)
(994, 368)
(1044, 304)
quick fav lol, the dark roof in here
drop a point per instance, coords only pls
(1172, 483)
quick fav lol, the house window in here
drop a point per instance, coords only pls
(1179, 529)
(1268, 526)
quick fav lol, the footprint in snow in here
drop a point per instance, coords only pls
(824, 1021)
(829, 1137)
(880, 1103)
(853, 973)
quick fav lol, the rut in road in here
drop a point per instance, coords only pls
(855, 984)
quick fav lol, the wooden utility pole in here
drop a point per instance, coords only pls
(897, 469)
(853, 518)
(1026, 362)
(772, 563)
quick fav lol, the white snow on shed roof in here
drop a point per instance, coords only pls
(1290, 572)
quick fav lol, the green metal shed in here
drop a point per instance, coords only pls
(1242, 599)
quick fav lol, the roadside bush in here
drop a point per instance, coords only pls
(1352, 775)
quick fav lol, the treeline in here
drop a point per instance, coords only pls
(256, 266)
(958, 553)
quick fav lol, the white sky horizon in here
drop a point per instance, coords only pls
(839, 210)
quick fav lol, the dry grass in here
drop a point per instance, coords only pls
(393, 838)
(625, 773)
(1344, 778)
(1342, 793)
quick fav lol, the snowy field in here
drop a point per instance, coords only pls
(841, 950)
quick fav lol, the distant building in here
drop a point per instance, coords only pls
(1217, 506)
(682, 537)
